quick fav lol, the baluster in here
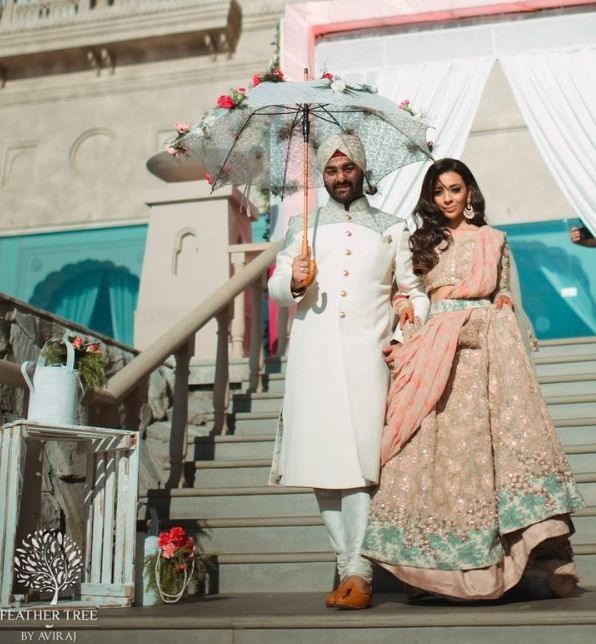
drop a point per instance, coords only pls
(8, 12)
(221, 385)
(238, 327)
(179, 431)
(256, 354)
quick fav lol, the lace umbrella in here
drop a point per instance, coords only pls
(269, 137)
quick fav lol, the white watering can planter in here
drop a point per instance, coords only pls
(54, 392)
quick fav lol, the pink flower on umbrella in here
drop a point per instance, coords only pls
(182, 127)
(225, 101)
(256, 80)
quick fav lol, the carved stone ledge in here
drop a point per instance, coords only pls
(128, 32)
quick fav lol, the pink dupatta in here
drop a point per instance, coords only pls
(424, 363)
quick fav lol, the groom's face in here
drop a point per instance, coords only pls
(343, 179)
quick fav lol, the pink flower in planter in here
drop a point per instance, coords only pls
(169, 550)
(172, 150)
(93, 348)
(78, 342)
(256, 80)
(182, 127)
(328, 76)
(404, 104)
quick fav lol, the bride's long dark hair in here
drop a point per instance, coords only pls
(433, 229)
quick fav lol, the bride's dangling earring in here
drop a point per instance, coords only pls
(469, 213)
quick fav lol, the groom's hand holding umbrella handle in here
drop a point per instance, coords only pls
(303, 271)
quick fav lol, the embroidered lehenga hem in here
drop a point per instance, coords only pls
(558, 575)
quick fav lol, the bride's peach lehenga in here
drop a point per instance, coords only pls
(475, 489)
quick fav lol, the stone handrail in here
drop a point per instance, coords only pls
(184, 330)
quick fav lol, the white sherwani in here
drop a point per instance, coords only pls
(337, 380)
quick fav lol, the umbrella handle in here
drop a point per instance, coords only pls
(312, 267)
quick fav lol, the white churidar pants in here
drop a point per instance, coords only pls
(345, 513)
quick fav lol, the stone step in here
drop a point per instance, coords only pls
(567, 347)
(551, 385)
(257, 402)
(571, 406)
(584, 555)
(274, 382)
(209, 474)
(563, 409)
(585, 525)
(586, 482)
(257, 501)
(301, 618)
(255, 472)
(276, 572)
(231, 447)
(560, 366)
(573, 384)
(573, 431)
(582, 458)
(255, 422)
(272, 534)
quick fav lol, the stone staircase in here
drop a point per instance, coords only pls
(273, 539)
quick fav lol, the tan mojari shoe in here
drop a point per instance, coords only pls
(354, 595)
(334, 594)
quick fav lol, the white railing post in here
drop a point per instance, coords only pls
(256, 353)
(179, 431)
(238, 326)
(7, 14)
(221, 385)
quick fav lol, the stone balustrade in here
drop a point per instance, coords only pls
(41, 13)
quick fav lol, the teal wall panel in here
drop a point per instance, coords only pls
(558, 278)
(90, 276)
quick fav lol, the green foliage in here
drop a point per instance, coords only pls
(88, 360)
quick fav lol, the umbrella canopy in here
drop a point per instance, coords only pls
(258, 139)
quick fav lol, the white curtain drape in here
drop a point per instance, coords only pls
(448, 92)
(556, 94)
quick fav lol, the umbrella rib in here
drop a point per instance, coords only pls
(331, 118)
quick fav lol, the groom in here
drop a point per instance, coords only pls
(336, 379)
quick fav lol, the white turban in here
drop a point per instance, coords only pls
(348, 144)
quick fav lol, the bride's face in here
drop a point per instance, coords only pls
(450, 194)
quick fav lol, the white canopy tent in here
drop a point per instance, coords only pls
(550, 63)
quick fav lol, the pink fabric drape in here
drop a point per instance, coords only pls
(424, 363)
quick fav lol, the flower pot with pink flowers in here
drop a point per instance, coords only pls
(176, 566)
(67, 368)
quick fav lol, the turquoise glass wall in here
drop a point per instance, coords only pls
(89, 276)
(558, 278)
